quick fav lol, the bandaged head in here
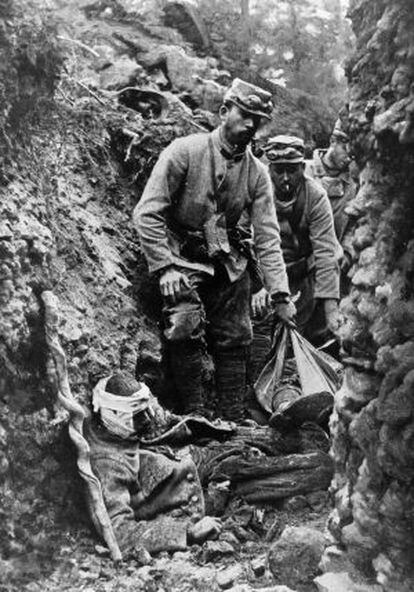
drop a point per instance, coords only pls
(120, 399)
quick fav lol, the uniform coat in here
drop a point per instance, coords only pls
(314, 238)
(151, 498)
(339, 186)
(180, 192)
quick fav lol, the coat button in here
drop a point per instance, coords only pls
(194, 498)
(190, 476)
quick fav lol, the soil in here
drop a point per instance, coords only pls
(79, 562)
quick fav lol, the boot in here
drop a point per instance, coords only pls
(231, 370)
(187, 367)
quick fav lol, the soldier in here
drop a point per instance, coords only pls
(331, 167)
(154, 501)
(194, 221)
(310, 247)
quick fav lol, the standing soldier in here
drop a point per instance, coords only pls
(194, 221)
(331, 167)
(310, 248)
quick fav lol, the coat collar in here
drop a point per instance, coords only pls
(228, 151)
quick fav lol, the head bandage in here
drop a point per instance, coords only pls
(117, 412)
(138, 401)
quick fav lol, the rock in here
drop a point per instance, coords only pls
(193, 77)
(207, 94)
(318, 500)
(213, 550)
(294, 557)
(334, 559)
(188, 21)
(258, 565)
(296, 502)
(142, 557)
(123, 72)
(217, 497)
(230, 537)
(226, 577)
(248, 588)
(101, 550)
(242, 533)
(341, 582)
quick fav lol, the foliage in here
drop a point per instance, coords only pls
(298, 43)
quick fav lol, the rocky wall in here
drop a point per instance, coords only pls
(67, 191)
(373, 421)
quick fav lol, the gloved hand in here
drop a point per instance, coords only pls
(286, 311)
(333, 316)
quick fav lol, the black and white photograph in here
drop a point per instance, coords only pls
(206, 295)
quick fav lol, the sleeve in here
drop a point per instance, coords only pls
(150, 214)
(267, 236)
(163, 533)
(325, 246)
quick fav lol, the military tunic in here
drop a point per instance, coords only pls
(194, 178)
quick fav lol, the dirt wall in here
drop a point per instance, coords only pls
(373, 422)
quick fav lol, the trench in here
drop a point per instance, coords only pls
(72, 168)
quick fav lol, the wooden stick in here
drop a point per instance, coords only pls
(83, 85)
(65, 397)
(76, 42)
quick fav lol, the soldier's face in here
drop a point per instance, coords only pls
(239, 126)
(286, 177)
(340, 154)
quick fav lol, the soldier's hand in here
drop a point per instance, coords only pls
(333, 315)
(260, 302)
(286, 311)
(206, 528)
(172, 282)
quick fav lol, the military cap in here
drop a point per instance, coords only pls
(285, 149)
(250, 98)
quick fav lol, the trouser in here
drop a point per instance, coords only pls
(212, 315)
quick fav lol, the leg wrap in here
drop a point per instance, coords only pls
(187, 364)
(230, 368)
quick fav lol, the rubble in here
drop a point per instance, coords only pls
(373, 419)
(248, 588)
(341, 582)
(186, 18)
(227, 577)
(213, 550)
(258, 565)
(121, 73)
(297, 550)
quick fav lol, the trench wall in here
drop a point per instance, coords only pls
(373, 422)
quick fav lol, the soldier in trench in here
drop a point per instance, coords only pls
(205, 194)
(332, 167)
(310, 249)
(153, 495)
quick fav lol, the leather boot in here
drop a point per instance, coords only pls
(230, 366)
(187, 362)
